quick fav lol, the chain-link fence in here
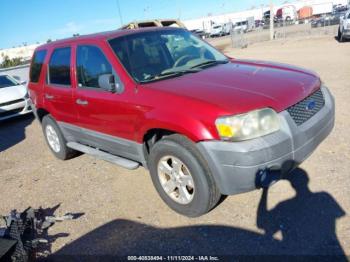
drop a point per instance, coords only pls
(283, 30)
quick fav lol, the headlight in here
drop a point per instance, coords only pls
(247, 126)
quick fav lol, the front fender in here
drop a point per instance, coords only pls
(187, 125)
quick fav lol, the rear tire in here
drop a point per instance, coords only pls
(55, 139)
(204, 194)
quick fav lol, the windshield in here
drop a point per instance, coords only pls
(6, 81)
(149, 56)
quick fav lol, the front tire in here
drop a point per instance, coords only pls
(55, 139)
(340, 36)
(182, 177)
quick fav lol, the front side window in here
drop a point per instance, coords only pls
(37, 64)
(91, 64)
(59, 67)
(155, 55)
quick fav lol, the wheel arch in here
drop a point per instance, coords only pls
(40, 113)
(154, 132)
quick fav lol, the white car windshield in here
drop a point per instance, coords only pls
(6, 81)
(156, 55)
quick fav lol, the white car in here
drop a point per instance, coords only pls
(344, 27)
(14, 99)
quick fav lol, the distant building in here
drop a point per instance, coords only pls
(25, 52)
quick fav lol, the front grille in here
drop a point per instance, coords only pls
(307, 108)
(11, 112)
(12, 102)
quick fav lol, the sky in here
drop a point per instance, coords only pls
(32, 21)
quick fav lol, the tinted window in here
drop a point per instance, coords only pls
(91, 63)
(59, 67)
(5, 81)
(37, 64)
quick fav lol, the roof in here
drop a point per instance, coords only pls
(106, 35)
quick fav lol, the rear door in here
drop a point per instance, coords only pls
(58, 91)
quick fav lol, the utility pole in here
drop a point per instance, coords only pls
(120, 13)
(178, 10)
(145, 10)
(272, 18)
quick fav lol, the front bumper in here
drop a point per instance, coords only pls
(235, 165)
(16, 109)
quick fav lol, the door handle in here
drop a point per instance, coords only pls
(82, 102)
(49, 97)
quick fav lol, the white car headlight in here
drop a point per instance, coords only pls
(247, 126)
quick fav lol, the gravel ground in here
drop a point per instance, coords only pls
(124, 215)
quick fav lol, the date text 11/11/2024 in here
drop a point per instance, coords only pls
(173, 258)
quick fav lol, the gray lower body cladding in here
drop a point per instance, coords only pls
(114, 145)
(236, 164)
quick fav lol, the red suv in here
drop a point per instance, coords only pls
(205, 125)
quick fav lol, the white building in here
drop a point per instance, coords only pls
(24, 52)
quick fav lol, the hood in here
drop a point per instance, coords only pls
(12, 93)
(241, 85)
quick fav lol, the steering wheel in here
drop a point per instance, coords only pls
(183, 60)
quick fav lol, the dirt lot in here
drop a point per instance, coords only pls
(124, 215)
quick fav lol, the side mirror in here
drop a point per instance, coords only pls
(108, 83)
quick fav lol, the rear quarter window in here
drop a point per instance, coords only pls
(37, 64)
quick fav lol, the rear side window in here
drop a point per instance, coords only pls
(59, 67)
(91, 63)
(37, 64)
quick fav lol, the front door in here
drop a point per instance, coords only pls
(104, 116)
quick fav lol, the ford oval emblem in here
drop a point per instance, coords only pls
(311, 105)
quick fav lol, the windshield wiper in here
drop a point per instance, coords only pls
(210, 62)
(169, 74)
